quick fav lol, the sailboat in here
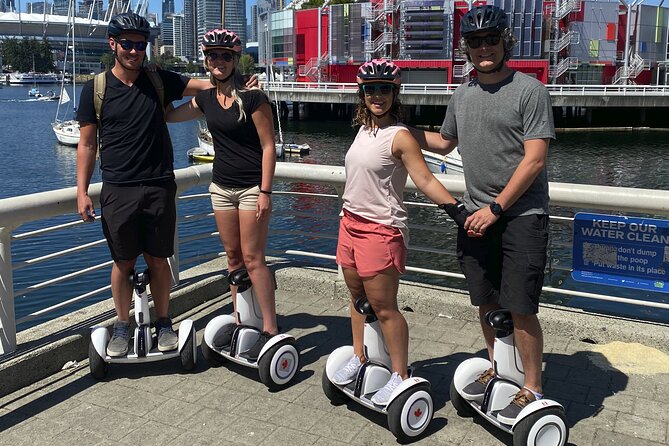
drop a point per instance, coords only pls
(67, 131)
(34, 92)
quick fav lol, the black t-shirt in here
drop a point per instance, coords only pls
(136, 144)
(238, 153)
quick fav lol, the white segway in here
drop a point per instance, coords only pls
(540, 423)
(145, 344)
(410, 407)
(279, 359)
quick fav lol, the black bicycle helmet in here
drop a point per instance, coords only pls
(483, 18)
(128, 22)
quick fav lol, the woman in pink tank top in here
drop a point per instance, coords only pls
(373, 233)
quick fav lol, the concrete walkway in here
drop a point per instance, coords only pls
(615, 391)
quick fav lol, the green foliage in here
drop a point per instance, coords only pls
(192, 67)
(107, 59)
(167, 62)
(246, 64)
(318, 3)
(20, 54)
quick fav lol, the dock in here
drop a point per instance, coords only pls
(611, 374)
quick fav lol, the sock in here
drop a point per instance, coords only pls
(537, 396)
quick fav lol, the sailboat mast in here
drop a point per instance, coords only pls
(74, 60)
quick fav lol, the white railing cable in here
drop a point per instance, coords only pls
(17, 211)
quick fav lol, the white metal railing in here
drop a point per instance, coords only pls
(448, 89)
(16, 212)
(568, 63)
(570, 38)
(460, 71)
(564, 9)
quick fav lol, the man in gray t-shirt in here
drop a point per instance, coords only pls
(502, 123)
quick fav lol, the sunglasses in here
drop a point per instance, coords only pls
(128, 45)
(476, 41)
(225, 56)
(375, 89)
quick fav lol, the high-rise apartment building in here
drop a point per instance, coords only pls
(167, 30)
(168, 8)
(228, 14)
(253, 35)
(189, 31)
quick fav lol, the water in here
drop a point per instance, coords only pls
(33, 161)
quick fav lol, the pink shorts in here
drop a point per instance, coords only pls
(369, 247)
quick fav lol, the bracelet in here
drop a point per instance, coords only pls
(266, 192)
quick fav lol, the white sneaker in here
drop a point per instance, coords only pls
(381, 397)
(347, 373)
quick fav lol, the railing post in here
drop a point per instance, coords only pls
(7, 316)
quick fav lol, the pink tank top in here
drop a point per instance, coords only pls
(375, 179)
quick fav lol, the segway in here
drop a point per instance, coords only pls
(279, 359)
(144, 344)
(540, 423)
(410, 407)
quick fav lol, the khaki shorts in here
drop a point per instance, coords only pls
(231, 198)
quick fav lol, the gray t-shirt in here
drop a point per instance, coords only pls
(491, 123)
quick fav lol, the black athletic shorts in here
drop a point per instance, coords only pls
(139, 219)
(506, 265)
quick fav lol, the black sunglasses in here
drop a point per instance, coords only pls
(477, 41)
(130, 44)
(372, 89)
(225, 56)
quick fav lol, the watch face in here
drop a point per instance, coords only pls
(496, 208)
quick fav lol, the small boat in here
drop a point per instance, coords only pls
(67, 130)
(49, 96)
(34, 93)
(204, 153)
(450, 164)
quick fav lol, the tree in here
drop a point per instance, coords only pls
(22, 54)
(107, 59)
(246, 64)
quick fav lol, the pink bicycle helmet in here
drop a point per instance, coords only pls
(379, 70)
(221, 38)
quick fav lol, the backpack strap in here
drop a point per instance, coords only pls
(99, 88)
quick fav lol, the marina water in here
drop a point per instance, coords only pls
(33, 161)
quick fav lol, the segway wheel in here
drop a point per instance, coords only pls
(460, 404)
(212, 358)
(334, 393)
(96, 363)
(279, 364)
(188, 353)
(410, 413)
(547, 427)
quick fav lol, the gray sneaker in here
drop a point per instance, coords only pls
(118, 344)
(381, 397)
(347, 373)
(167, 338)
(476, 389)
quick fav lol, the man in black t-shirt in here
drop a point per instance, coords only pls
(136, 159)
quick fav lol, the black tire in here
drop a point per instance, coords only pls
(269, 362)
(410, 414)
(546, 427)
(334, 393)
(96, 363)
(462, 407)
(189, 352)
(212, 358)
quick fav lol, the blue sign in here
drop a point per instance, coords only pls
(622, 251)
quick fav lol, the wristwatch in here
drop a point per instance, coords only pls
(496, 209)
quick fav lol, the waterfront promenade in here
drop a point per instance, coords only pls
(612, 376)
